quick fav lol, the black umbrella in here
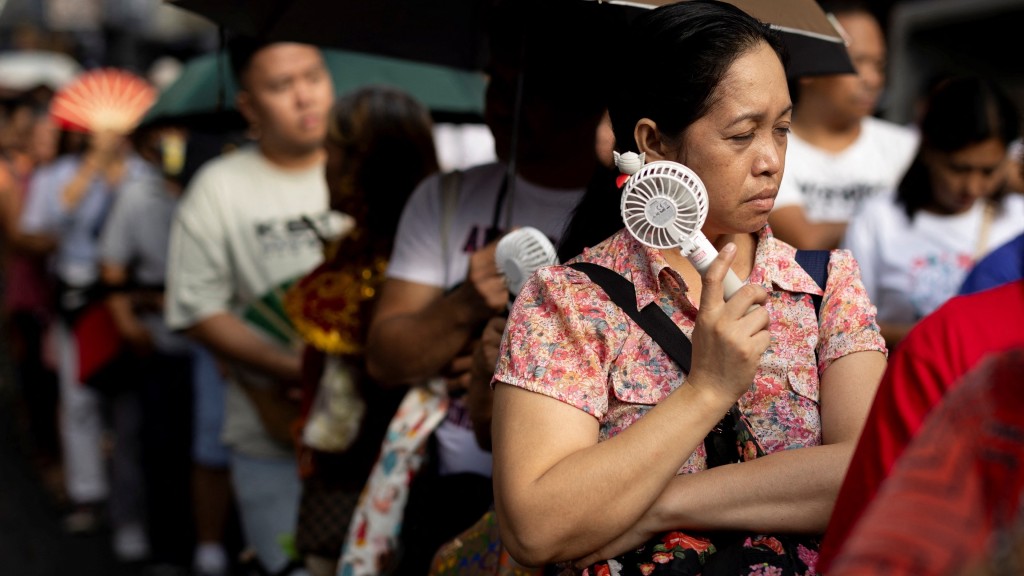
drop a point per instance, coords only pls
(814, 44)
(448, 32)
(452, 32)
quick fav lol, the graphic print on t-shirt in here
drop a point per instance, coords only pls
(934, 277)
(291, 236)
(826, 202)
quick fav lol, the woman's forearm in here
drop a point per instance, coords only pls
(396, 346)
(788, 491)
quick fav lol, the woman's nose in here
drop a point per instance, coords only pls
(769, 159)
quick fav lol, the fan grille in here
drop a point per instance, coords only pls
(522, 252)
(663, 203)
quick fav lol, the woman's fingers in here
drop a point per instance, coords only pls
(712, 295)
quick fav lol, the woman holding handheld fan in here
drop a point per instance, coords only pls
(609, 456)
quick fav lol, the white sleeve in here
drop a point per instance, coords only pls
(862, 239)
(417, 255)
(199, 279)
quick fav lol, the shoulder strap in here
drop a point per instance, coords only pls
(451, 182)
(652, 318)
(815, 263)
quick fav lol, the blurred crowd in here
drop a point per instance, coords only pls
(267, 347)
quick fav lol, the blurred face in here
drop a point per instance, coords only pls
(287, 95)
(962, 177)
(45, 135)
(849, 96)
(739, 147)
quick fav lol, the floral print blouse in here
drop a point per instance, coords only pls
(566, 339)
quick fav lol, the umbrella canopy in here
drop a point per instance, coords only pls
(450, 33)
(815, 46)
(23, 70)
(453, 32)
(205, 90)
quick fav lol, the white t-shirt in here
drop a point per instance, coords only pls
(239, 235)
(830, 186)
(460, 146)
(911, 267)
(418, 257)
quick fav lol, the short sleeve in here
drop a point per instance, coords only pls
(417, 255)
(847, 321)
(556, 342)
(199, 282)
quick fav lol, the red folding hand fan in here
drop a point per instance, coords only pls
(101, 100)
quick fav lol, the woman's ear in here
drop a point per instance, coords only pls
(649, 140)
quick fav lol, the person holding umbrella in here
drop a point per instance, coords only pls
(443, 286)
(610, 456)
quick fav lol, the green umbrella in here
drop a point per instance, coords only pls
(205, 91)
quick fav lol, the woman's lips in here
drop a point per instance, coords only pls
(764, 201)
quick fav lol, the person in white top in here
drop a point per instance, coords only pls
(839, 155)
(952, 207)
(250, 223)
(443, 286)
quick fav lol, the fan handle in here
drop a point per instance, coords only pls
(702, 253)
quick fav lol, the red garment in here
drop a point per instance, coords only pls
(952, 501)
(27, 287)
(928, 363)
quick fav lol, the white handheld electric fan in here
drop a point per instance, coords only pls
(520, 253)
(664, 205)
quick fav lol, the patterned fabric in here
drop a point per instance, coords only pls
(681, 554)
(377, 521)
(325, 510)
(571, 342)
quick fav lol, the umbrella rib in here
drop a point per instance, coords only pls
(807, 33)
(276, 14)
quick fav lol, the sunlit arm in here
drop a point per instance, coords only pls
(418, 329)
(552, 478)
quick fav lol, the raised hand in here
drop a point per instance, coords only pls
(486, 285)
(729, 337)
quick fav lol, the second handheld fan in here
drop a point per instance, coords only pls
(520, 253)
(664, 205)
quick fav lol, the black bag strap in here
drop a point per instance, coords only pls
(815, 263)
(652, 318)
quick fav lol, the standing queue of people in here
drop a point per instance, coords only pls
(329, 293)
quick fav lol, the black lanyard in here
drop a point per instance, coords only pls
(494, 231)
